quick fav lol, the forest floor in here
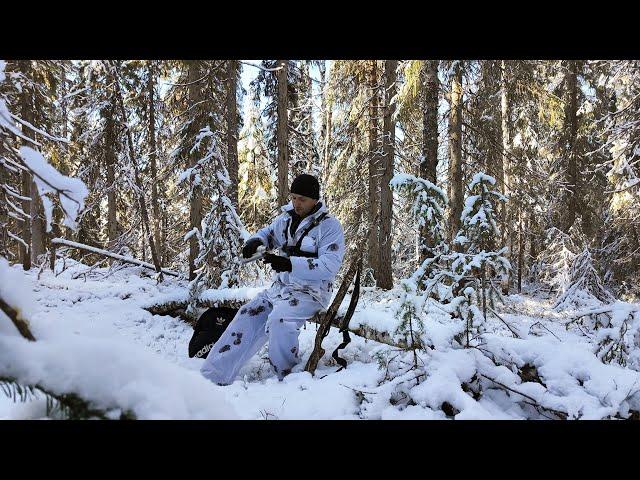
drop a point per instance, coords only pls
(94, 336)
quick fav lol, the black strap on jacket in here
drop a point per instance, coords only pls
(344, 325)
(294, 250)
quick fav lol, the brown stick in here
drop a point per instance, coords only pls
(562, 415)
(327, 319)
(515, 334)
(21, 324)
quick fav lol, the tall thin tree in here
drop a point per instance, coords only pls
(283, 133)
(456, 194)
(153, 156)
(429, 160)
(385, 277)
(374, 167)
(232, 130)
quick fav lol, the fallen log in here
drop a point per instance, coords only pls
(178, 308)
(120, 258)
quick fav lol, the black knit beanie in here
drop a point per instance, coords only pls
(306, 185)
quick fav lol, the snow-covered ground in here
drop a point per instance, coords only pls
(94, 337)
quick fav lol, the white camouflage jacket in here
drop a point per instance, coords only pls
(314, 276)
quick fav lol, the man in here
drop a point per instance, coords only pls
(312, 246)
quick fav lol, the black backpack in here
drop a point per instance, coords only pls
(209, 328)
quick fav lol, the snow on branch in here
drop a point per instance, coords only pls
(37, 130)
(71, 191)
(261, 67)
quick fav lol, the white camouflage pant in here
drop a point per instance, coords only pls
(276, 317)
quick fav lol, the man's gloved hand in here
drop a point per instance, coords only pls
(278, 263)
(251, 247)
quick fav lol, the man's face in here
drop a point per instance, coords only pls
(302, 205)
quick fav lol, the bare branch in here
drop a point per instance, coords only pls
(261, 67)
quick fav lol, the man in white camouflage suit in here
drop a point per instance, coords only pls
(312, 245)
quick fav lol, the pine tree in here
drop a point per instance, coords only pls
(478, 262)
(346, 187)
(221, 233)
(257, 187)
(285, 86)
(618, 84)
(584, 284)
(196, 99)
(428, 204)
(417, 151)
(101, 148)
(232, 122)
(31, 92)
(569, 269)
(559, 253)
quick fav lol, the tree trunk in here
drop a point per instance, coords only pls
(571, 129)
(373, 256)
(533, 245)
(520, 253)
(327, 142)
(282, 134)
(55, 232)
(456, 193)
(26, 177)
(504, 170)
(146, 224)
(25, 252)
(232, 130)
(163, 232)
(143, 251)
(110, 161)
(55, 224)
(385, 278)
(34, 208)
(429, 162)
(195, 209)
(532, 239)
(4, 217)
(325, 129)
(162, 201)
(153, 157)
(38, 229)
(308, 121)
(483, 276)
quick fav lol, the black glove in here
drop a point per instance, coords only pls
(278, 263)
(250, 247)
